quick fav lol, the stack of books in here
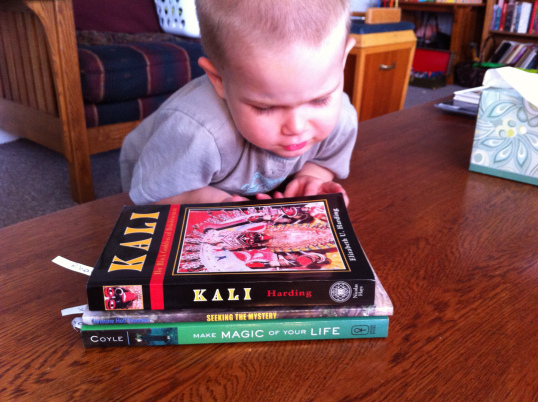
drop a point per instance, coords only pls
(515, 16)
(512, 53)
(465, 101)
(253, 271)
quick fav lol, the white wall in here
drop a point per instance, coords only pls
(361, 5)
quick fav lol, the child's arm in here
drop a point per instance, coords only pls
(313, 179)
(202, 195)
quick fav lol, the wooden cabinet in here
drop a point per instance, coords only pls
(377, 72)
(499, 36)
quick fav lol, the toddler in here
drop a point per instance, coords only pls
(270, 108)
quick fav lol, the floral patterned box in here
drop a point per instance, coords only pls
(506, 136)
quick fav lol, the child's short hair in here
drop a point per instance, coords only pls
(268, 23)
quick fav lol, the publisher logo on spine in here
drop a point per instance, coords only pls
(340, 292)
(358, 330)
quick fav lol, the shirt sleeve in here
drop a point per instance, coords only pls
(335, 151)
(180, 156)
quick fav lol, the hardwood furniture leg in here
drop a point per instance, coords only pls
(41, 95)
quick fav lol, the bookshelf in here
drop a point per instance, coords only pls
(467, 23)
(499, 36)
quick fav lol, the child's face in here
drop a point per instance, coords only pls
(288, 100)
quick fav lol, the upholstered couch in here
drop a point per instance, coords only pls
(128, 65)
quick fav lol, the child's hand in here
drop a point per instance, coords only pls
(263, 196)
(235, 198)
(310, 185)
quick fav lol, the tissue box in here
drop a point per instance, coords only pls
(506, 136)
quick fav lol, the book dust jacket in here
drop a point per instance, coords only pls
(281, 252)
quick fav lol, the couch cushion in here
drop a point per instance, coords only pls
(98, 114)
(111, 73)
(114, 91)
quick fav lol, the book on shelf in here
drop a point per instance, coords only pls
(496, 18)
(509, 17)
(382, 307)
(514, 53)
(511, 52)
(531, 27)
(527, 58)
(516, 17)
(524, 18)
(527, 51)
(532, 63)
(513, 16)
(161, 334)
(500, 51)
(504, 9)
(280, 252)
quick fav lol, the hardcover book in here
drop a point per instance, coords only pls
(281, 252)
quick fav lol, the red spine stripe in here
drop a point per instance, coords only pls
(157, 277)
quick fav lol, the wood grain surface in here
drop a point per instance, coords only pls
(456, 251)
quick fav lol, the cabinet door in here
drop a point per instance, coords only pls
(384, 83)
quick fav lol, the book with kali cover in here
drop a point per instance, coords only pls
(225, 332)
(281, 252)
(382, 307)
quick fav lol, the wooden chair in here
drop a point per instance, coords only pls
(40, 89)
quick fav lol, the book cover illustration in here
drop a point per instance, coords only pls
(264, 238)
(295, 251)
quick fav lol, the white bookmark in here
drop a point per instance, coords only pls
(74, 310)
(73, 266)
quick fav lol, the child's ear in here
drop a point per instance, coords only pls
(213, 75)
(349, 45)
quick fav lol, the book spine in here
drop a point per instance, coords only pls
(201, 315)
(536, 21)
(223, 332)
(524, 18)
(503, 16)
(509, 16)
(239, 295)
(515, 18)
(500, 51)
(497, 22)
(236, 295)
(531, 20)
(528, 60)
(519, 55)
(533, 64)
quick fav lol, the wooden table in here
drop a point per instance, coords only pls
(456, 250)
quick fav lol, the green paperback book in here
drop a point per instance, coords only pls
(186, 333)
